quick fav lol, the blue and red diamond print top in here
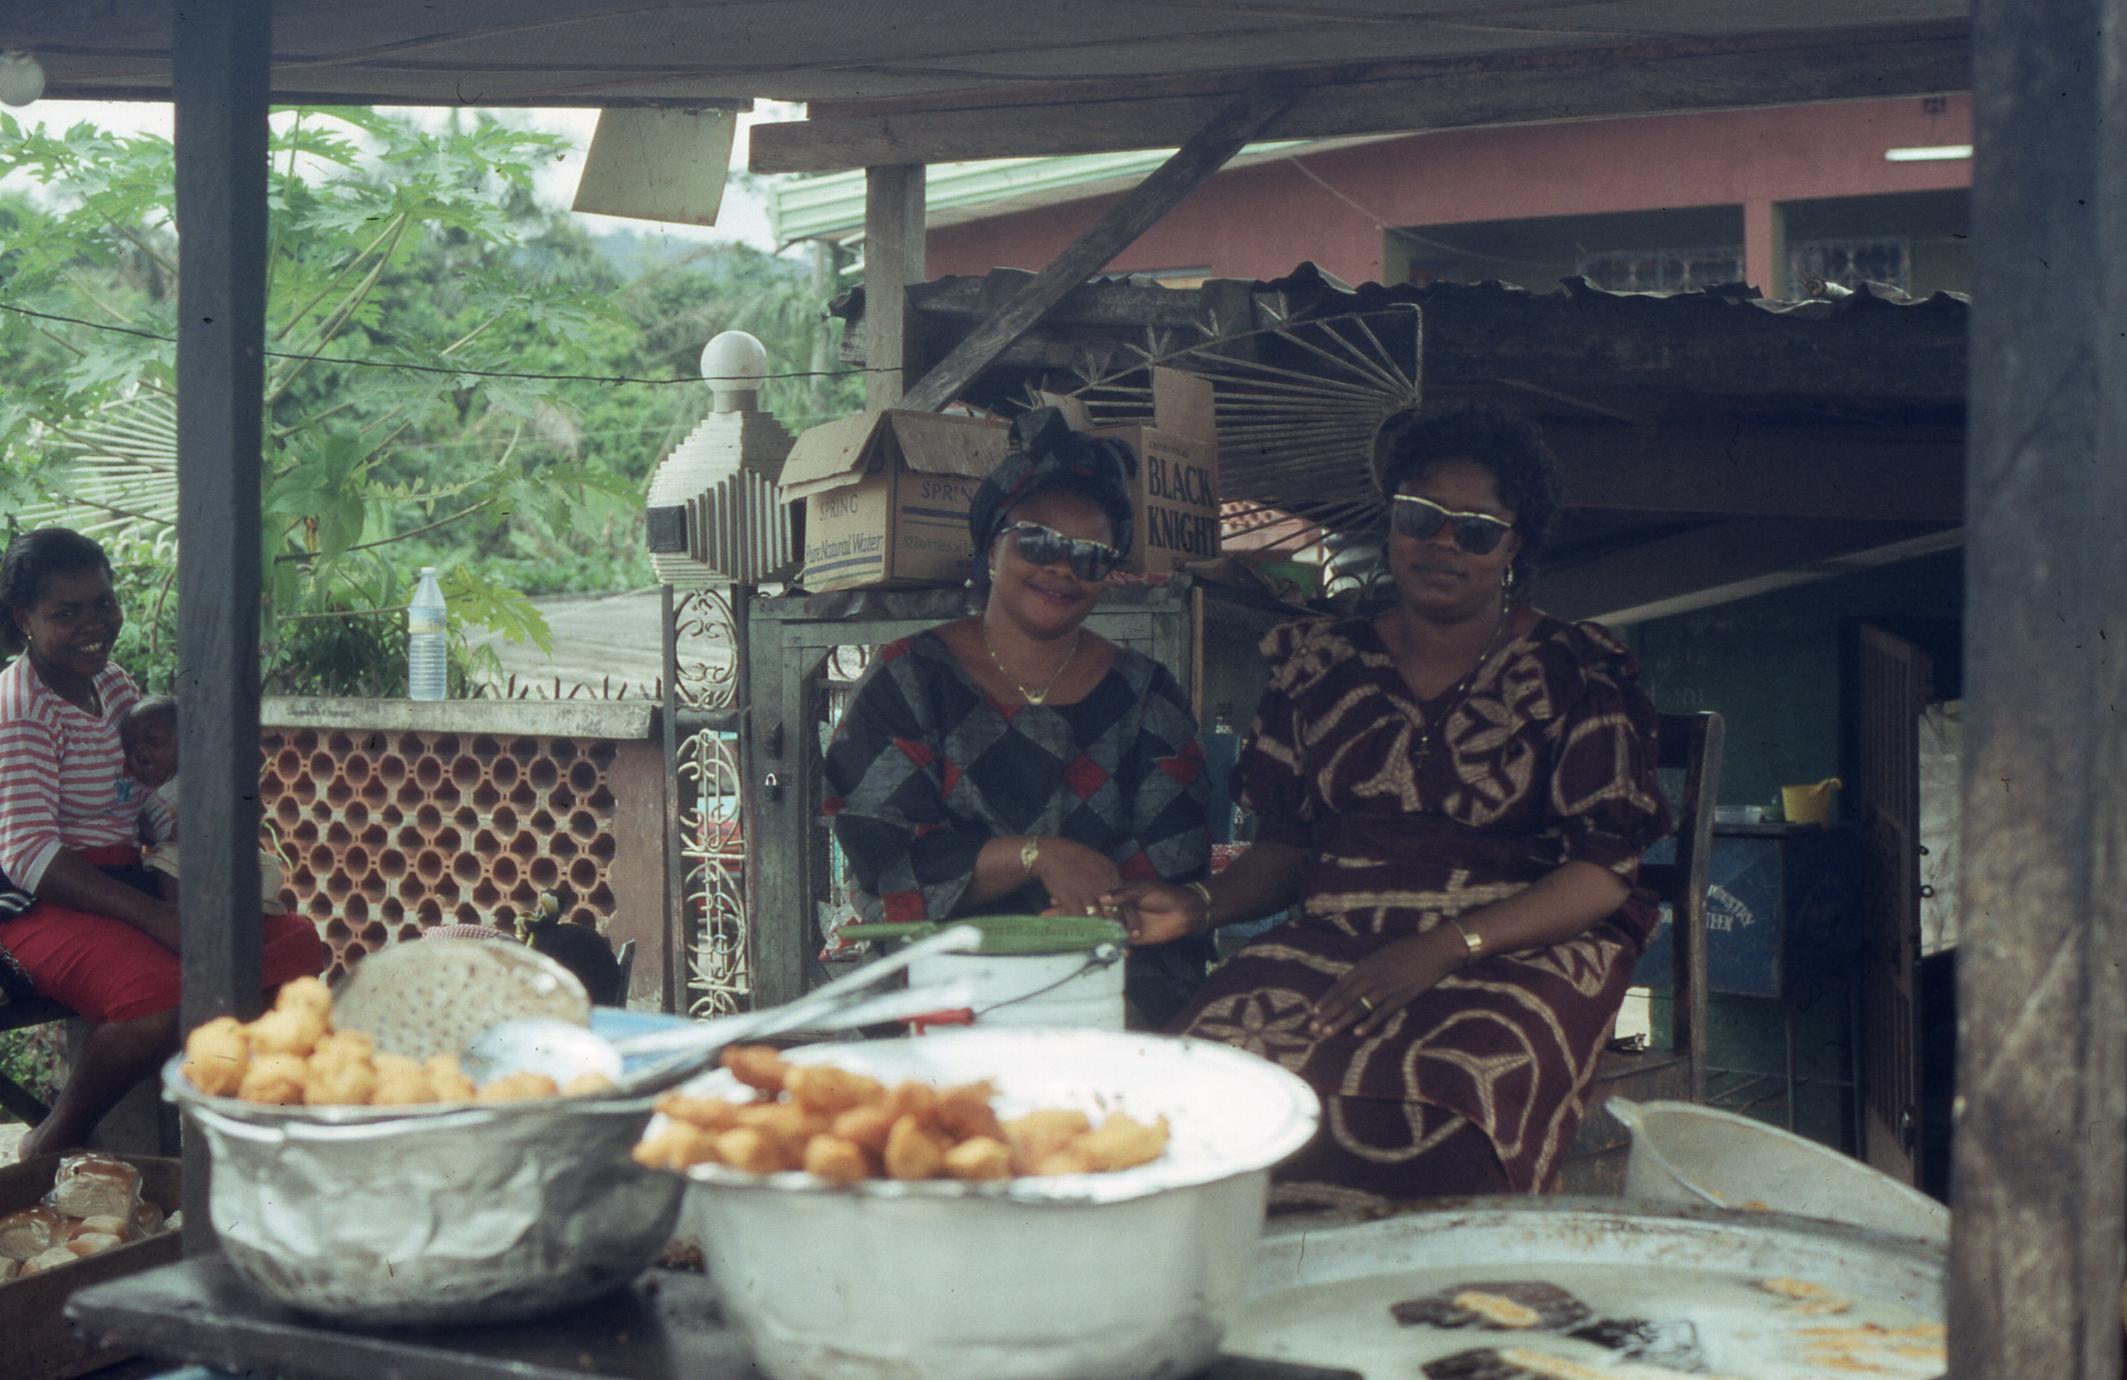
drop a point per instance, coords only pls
(927, 767)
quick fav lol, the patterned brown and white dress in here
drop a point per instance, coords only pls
(1548, 758)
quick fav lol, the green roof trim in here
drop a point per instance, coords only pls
(830, 206)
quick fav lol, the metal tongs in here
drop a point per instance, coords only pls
(564, 1051)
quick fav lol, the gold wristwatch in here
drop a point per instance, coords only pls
(1029, 854)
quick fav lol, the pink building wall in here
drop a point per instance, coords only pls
(1259, 221)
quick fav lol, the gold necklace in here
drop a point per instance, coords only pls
(1453, 700)
(1031, 696)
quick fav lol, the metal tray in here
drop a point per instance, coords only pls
(1322, 1294)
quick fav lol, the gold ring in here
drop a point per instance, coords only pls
(1368, 1004)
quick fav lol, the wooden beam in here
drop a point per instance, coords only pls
(893, 263)
(1585, 342)
(1204, 154)
(1525, 86)
(2040, 1155)
(1725, 561)
(1830, 471)
(221, 58)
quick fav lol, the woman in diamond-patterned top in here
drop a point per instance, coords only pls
(1015, 762)
(1456, 794)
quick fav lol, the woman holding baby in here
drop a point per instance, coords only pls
(81, 921)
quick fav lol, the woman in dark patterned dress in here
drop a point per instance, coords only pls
(1015, 762)
(1456, 794)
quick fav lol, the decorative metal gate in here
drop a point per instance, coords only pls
(706, 859)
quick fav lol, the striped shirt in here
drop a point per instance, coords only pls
(63, 782)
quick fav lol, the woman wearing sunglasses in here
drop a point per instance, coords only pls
(1455, 794)
(1015, 762)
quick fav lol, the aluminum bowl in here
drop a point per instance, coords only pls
(390, 1216)
(1131, 1274)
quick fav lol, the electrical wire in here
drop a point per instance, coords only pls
(458, 372)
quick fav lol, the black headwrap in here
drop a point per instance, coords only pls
(1047, 455)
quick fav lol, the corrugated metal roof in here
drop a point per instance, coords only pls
(830, 206)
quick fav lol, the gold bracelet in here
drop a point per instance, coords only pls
(1203, 894)
(1470, 938)
(1029, 854)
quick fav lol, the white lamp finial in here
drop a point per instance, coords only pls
(21, 79)
(733, 365)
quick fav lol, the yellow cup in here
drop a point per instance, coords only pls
(1809, 804)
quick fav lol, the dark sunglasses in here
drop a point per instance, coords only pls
(1421, 519)
(1038, 545)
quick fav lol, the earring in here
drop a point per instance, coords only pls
(1506, 582)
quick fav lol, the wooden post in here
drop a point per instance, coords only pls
(2040, 1172)
(672, 992)
(893, 262)
(823, 334)
(1765, 249)
(221, 58)
(1205, 153)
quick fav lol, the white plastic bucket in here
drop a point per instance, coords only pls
(1685, 1153)
(1067, 989)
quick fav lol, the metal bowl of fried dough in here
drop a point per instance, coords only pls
(1130, 1273)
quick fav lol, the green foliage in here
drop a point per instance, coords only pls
(390, 245)
(35, 1058)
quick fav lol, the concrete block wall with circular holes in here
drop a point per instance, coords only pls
(392, 817)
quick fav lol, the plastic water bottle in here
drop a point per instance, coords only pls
(427, 660)
(1222, 748)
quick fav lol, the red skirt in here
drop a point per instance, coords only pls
(106, 970)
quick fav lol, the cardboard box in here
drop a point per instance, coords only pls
(1177, 471)
(887, 496)
(35, 1341)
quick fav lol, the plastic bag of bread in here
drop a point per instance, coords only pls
(30, 1232)
(48, 1260)
(91, 1185)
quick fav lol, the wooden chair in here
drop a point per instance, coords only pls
(1690, 743)
(20, 1014)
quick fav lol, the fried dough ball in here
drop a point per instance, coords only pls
(836, 1160)
(965, 1112)
(401, 1082)
(785, 1124)
(1070, 1159)
(980, 1158)
(707, 1113)
(913, 1131)
(447, 1079)
(340, 1080)
(286, 1032)
(1122, 1142)
(750, 1150)
(757, 1066)
(587, 1084)
(826, 1089)
(1038, 1135)
(914, 1099)
(216, 1055)
(676, 1145)
(912, 1152)
(274, 1078)
(518, 1087)
(304, 994)
(339, 1045)
(866, 1127)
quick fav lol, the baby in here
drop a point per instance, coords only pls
(148, 736)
